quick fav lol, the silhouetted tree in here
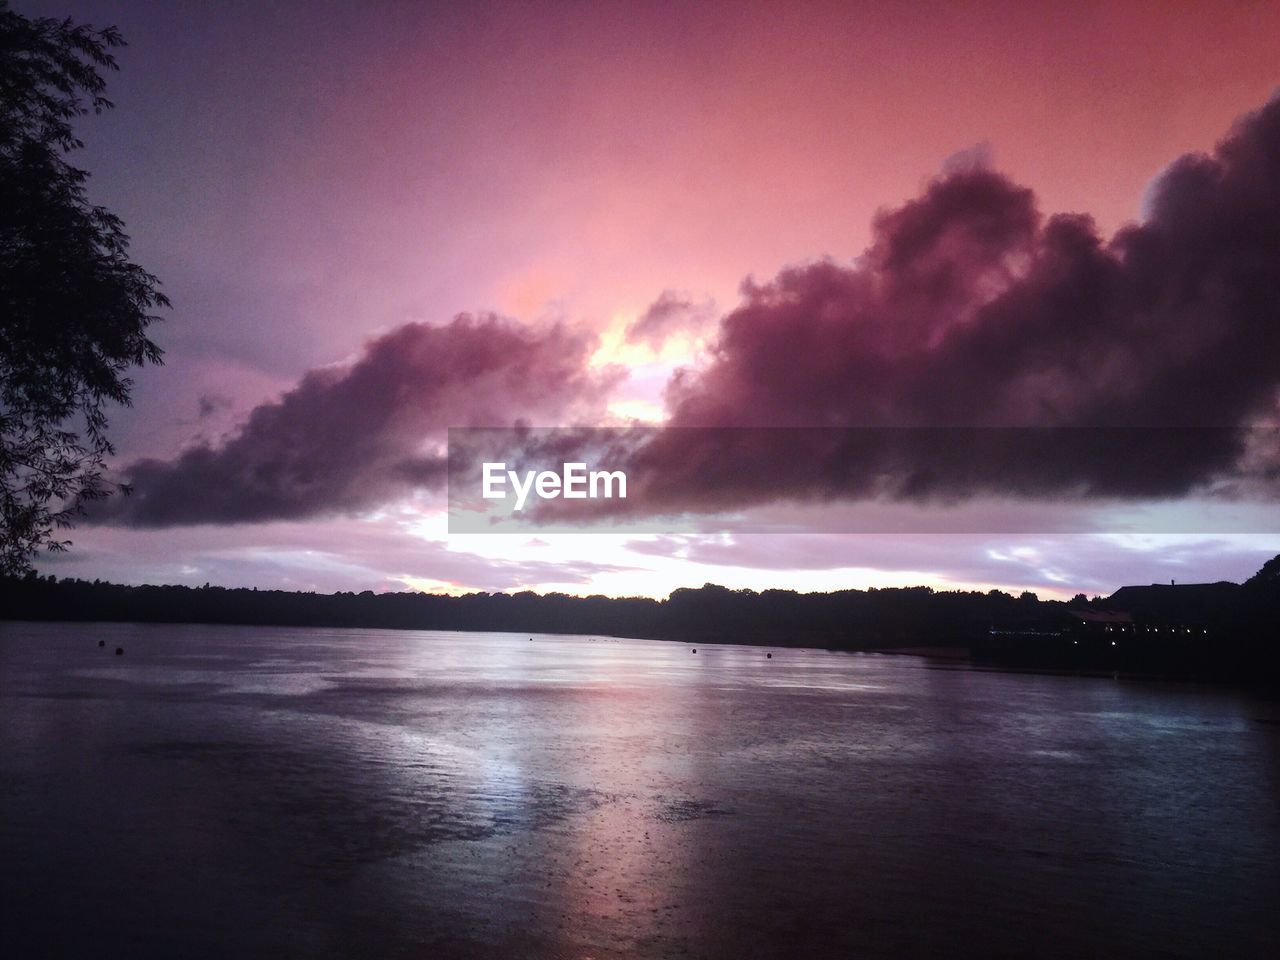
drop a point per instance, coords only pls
(73, 308)
(1269, 574)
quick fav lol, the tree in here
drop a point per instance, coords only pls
(1269, 574)
(73, 309)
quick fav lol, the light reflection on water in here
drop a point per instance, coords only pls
(243, 791)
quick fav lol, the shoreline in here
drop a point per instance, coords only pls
(954, 656)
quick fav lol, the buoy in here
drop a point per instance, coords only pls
(695, 649)
(768, 656)
(119, 651)
(102, 643)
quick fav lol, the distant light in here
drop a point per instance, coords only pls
(1113, 643)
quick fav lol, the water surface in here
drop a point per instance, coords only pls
(244, 791)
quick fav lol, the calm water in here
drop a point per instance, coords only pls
(294, 793)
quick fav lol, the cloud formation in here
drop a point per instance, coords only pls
(354, 436)
(970, 309)
(670, 314)
(1025, 356)
(327, 555)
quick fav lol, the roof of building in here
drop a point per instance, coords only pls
(1190, 602)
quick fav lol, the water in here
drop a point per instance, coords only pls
(237, 791)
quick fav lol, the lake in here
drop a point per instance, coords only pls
(247, 791)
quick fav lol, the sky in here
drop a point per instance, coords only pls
(377, 221)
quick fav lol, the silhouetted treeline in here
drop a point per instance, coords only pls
(1211, 631)
(846, 619)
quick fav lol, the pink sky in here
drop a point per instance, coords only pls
(303, 179)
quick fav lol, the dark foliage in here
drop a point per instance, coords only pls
(73, 308)
(846, 619)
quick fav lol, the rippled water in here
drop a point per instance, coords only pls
(287, 792)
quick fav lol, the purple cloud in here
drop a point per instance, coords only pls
(1028, 356)
(351, 437)
(1146, 356)
(671, 313)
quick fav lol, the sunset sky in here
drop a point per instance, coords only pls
(323, 187)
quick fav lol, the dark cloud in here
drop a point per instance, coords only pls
(671, 313)
(354, 436)
(1144, 355)
(970, 309)
(210, 403)
(976, 349)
